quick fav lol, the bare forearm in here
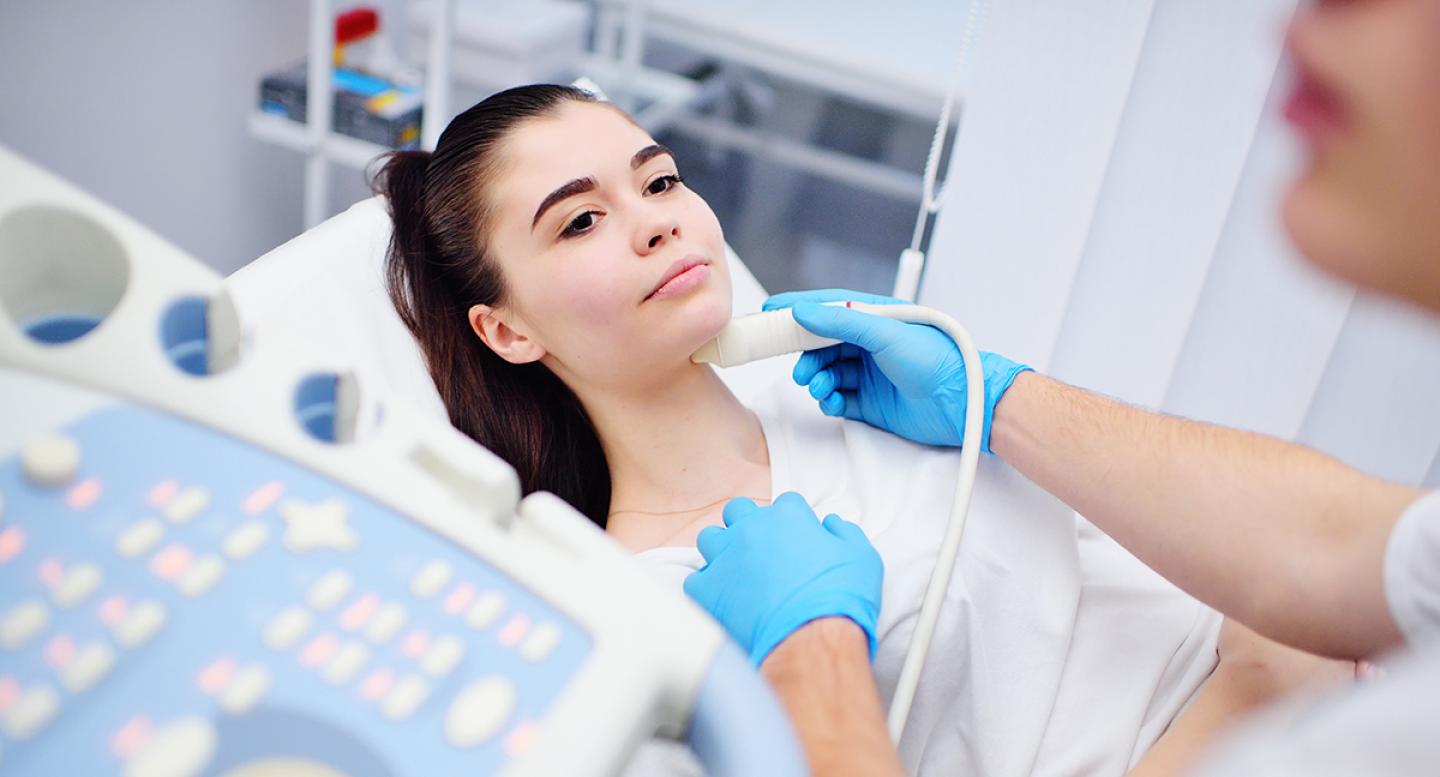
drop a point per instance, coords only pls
(823, 678)
(1278, 536)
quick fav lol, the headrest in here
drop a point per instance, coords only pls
(327, 286)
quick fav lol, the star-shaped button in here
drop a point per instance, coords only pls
(319, 526)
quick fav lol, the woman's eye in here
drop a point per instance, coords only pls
(664, 184)
(581, 223)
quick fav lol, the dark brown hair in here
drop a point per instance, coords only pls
(439, 266)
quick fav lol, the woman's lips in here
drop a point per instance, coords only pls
(684, 281)
(1313, 109)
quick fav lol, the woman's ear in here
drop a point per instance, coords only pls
(493, 329)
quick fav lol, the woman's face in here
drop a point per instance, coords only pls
(614, 270)
(1367, 207)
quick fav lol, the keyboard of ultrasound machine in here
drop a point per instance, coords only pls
(279, 594)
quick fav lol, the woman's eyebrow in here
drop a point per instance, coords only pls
(577, 186)
(583, 185)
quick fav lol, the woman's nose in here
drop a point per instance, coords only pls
(657, 237)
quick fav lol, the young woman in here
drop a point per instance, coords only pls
(558, 274)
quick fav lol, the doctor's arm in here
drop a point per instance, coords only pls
(1282, 538)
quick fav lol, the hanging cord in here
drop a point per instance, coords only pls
(912, 259)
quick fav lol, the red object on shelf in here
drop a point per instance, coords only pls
(356, 24)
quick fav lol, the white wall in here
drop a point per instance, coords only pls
(144, 103)
(1111, 217)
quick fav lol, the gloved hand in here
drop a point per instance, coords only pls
(907, 379)
(773, 569)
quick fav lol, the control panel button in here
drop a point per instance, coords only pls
(327, 591)
(541, 643)
(139, 538)
(142, 622)
(404, 698)
(245, 690)
(346, 663)
(485, 610)
(51, 461)
(79, 582)
(287, 628)
(479, 712)
(190, 503)
(202, 576)
(319, 526)
(430, 579)
(442, 657)
(91, 664)
(388, 621)
(181, 749)
(22, 623)
(35, 707)
(246, 538)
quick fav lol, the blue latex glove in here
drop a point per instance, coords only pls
(907, 379)
(773, 569)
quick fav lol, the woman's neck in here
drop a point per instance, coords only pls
(680, 447)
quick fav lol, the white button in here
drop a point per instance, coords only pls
(287, 628)
(247, 538)
(327, 592)
(541, 642)
(181, 749)
(79, 582)
(387, 623)
(479, 712)
(348, 661)
(51, 461)
(442, 657)
(139, 538)
(140, 624)
(23, 622)
(485, 610)
(90, 666)
(201, 576)
(245, 689)
(318, 526)
(402, 700)
(430, 579)
(190, 503)
(31, 711)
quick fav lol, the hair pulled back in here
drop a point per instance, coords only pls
(438, 266)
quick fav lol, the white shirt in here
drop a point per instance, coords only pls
(1387, 728)
(1057, 653)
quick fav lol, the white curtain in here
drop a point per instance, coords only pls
(1111, 217)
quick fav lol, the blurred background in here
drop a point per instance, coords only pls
(1109, 200)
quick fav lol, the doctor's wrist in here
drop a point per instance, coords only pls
(835, 638)
(1007, 428)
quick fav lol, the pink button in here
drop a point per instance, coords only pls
(171, 563)
(9, 691)
(83, 494)
(12, 541)
(113, 610)
(521, 738)
(415, 643)
(359, 613)
(263, 497)
(514, 631)
(377, 684)
(161, 493)
(51, 571)
(459, 598)
(59, 651)
(319, 650)
(130, 738)
(216, 676)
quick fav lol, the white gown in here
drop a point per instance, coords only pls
(1056, 653)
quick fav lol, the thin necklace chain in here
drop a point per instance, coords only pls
(613, 513)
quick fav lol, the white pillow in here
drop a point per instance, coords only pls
(327, 286)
